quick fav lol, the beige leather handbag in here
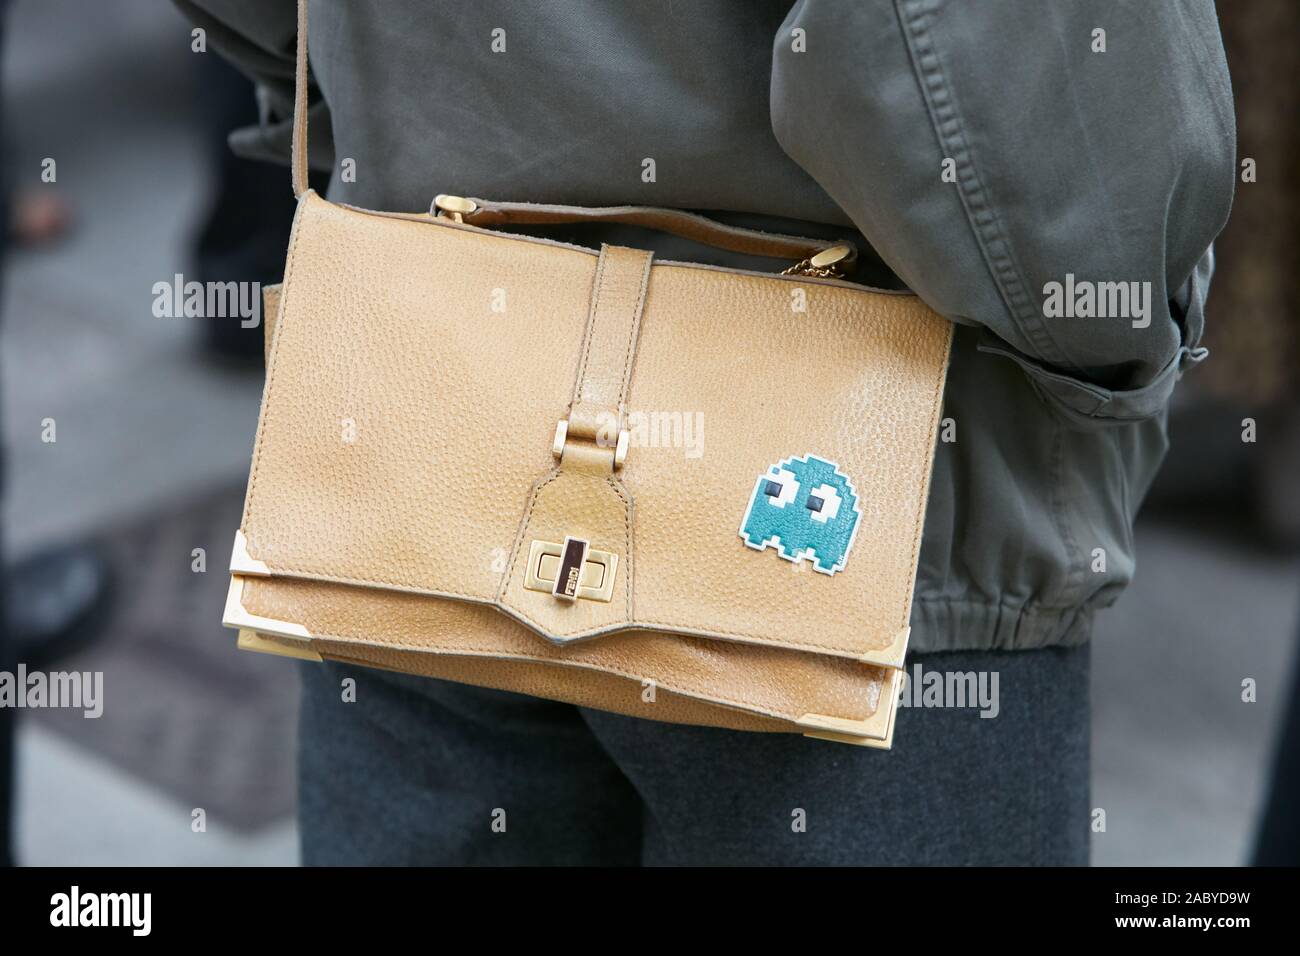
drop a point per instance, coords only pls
(472, 463)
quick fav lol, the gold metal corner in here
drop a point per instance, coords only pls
(877, 731)
(241, 562)
(892, 656)
(235, 616)
(252, 641)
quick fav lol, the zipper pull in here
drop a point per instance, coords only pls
(455, 208)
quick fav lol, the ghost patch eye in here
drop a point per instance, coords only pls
(823, 503)
(780, 487)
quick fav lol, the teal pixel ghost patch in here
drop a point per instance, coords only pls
(806, 509)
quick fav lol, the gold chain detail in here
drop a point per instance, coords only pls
(804, 267)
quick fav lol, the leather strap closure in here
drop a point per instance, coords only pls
(580, 508)
(596, 413)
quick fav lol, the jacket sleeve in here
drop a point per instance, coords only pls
(1064, 162)
(259, 37)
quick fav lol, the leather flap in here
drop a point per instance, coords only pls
(780, 432)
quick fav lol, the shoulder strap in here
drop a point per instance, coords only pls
(300, 105)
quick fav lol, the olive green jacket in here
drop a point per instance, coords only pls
(1016, 163)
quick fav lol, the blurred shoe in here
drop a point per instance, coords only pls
(38, 218)
(56, 603)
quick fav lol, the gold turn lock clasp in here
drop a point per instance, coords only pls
(571, 570)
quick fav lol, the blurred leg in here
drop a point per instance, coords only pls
(7, 721)
(7, 655)
(415, 771)
(957, 789)
(1278, 840)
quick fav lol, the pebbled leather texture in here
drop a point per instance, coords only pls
(403, 465)
(589, 688)
(772, 683)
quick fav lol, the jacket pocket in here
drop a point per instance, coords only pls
(1089, 405)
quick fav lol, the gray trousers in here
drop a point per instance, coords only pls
(418, 771)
